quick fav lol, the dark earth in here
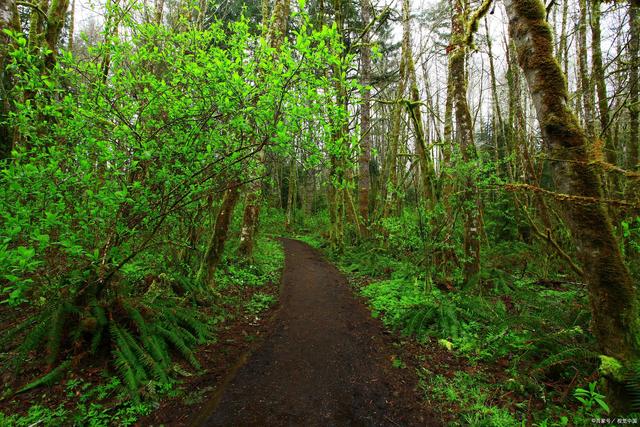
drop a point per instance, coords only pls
(326, 362)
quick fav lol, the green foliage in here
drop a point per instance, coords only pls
(89, 409)
(267, 264)
(593, 402)
(37, 415)
(259, 302)
(471, 393)
(540, 333)
(117, 172)
(48, 378)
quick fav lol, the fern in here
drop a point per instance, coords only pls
(174, 338)
(123, 365)
(47, 379)
(140, 332)
(566, 356)
(32, 341)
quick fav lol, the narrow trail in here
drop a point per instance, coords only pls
(327, 362)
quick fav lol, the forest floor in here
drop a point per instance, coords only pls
(326, 362)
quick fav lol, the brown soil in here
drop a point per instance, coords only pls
(326, 363)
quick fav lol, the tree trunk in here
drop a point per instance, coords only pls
(219, 236)
(563, 49)
(634, 88)
(158, 12)
(611, 290)
(464, 134)
(426, 182)
(291, 189)
(8, 21)
(586, 88)
(36, 24)
(390, 189)
(55, 22)
(364, 178)
(72, 19)
(275, 36)
(599, 82)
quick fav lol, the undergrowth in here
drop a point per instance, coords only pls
(529, 327)
(143, 338)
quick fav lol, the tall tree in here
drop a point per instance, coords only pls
(465, 137)
(364, 178)
(599, 81)
(390, 175)
(8, 21)
(55, 22)
(275, 37)
(586, 88)
(634, 87)
(611, 290)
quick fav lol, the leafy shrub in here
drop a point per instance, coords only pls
(259, 302)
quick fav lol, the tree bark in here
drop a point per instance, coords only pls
(215, 248)
(634, 88)
(55, 22)
(464, 134)
(8, 21)
(390, 181)
(611, 290)
(586, 88)
(275, 37)
(364, 178)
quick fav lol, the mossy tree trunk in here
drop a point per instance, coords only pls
(215, 249)
(291, 191)
(8, 21)
(275, 37)
(586, 88)
(37, 23)
(364, 178)
(159, 9)
(464, 135)
(611, 290)
(599, 82)
(55, 22)
(427, 174)
(390, 179)
(634, 87)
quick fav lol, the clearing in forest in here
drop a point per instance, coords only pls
(326, 363)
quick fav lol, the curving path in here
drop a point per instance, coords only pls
(325, 364)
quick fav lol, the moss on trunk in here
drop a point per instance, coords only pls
(611, 290)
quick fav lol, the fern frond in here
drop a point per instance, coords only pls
(47, 379)
(566, 356)
(33, 340)
(127, 346)
(177, 341)
(127, 374)
(7, 337)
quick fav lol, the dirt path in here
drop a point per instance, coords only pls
(327, 362)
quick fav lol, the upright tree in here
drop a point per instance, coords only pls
(465, 136)
(364, 178)
(9, 22)
(611, 290)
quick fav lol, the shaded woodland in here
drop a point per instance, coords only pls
(472, 166)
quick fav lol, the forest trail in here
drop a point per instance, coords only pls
(327, 362)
